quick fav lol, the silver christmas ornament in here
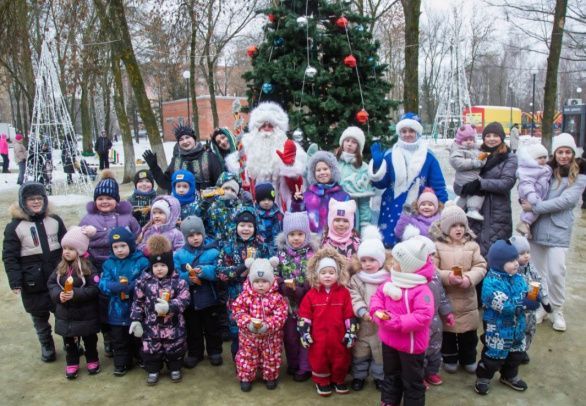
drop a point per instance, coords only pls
(310, 72)
(298, 135)
(302, 21)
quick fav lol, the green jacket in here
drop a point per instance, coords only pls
(356, 183)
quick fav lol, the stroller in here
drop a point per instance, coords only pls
(87, 170)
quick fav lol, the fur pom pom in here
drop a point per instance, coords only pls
(371, 232)
(107, 174)
(248, 262)
(274, 261)
(410, 232)
(392, 291)
(158, 245)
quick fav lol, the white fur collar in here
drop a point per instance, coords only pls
(262, 161)
(407, 173)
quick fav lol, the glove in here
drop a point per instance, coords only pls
(304, 328)
(547, 307)
(136, 329)
(161, 307)
(450, 319)
(350, 336)
(289, 152)
(471, 188)
(252, 328)
(377, 154)
(150, 158)
(454, 280)
(465, 283)
(115, 287)
(531, 304)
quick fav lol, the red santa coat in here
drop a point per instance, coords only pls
(328, 356)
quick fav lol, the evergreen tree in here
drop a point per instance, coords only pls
(322, 105)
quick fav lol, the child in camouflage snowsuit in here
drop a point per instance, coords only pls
(219, 217)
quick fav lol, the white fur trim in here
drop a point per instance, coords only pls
(326, 263)
(410, 232)
(268, 112)
(406, 172)
(356, 133)
(232, 163)
(409, 123)
(380, 174)
(371, 232)
(390, 290)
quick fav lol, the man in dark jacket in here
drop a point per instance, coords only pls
(102, 147)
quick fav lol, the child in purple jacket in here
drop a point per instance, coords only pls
(416, 219)
(165, 212)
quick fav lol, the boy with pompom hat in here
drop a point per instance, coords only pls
(142, 196)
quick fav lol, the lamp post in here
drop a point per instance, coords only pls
(511, 108)
(187, 77)
(533, 106)
(579, 91)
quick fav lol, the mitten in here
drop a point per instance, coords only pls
(471, 188)
(150, 158)
(351, 334)
(377, 154)
(454, 280)
(115, 287)
(304, 330)
(289, 152)
(136, 329)
(465, 282)
(450, 319)
(161, 307)
(531, 304)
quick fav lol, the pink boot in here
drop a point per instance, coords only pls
(71, 371)
(93, 367)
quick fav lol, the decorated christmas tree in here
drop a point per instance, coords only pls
(319, 61)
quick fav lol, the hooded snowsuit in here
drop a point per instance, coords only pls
(533, 183)
(270, 223)
(168, 229)
(411, 224)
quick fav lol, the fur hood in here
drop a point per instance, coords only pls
(327, 252)
(281, 242)
(435, 234)
(123, 207)
(17, 213)
(329, 159)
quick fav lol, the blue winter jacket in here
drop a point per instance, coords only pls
(205, 258)
(131, 267)
(504, 313)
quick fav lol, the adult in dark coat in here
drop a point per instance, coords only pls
(31, 251)
(192, 156)
(102, 147)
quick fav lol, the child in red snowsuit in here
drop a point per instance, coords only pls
(326, 321)
(260, 312)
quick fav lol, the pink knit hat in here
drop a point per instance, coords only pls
(18, 137)
(78, 238)
(337, 209)
(428, 195)
(465, 132)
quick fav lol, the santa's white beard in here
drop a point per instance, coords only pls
(262, 161)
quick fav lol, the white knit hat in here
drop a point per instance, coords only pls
(372, 244)
(163, 206)
(564, 140)
(411, 254)
(326, 263)
(356, 133)
(536, 151)
(262, 268)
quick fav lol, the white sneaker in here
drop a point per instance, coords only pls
(559, 323)
(474, 214)
(540, 315)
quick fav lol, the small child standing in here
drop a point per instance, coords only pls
(221, 212)
(143, 195)
(260, 312)
(467, 160)
(74, 290)
(119, 276)
(326, 321)
(196, 263)
(403, 310)
(339, 233)
(184, 190)
(160, 298)
(269, 215)
(367, 354)
(504, 299)
(418, 218)
(295, 246)
(531, 275)
(534, 175)
(165, 212)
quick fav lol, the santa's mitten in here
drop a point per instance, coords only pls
(288, 153)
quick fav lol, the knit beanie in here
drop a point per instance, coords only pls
(452, 214)
(160, 251)
(500, 253)
(182, 130)
(186, 176)
(372, 245)
(536, 151)
(564, 140)
(18, 137)
(245, 216)
(411, 254)
(29, 189)
(357, 134)
(464, 133)
(122, 234)
(296, 221)
(428, 195)
(192, 225)
(162, 205)
(520, 243)
(326, 262)
(261, 268)
(144, 174)
(337, 209)
(78, 238)
(107, 186)
(410, 120)
(264, 191)
(229, 179)
(495, 128)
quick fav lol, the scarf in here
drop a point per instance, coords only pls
(348, 157)
(407, 160)
(402, 280)
(376, 278)
(185, 199)
(494, 159)
(151, 194)
(340, 239)
(320, 189)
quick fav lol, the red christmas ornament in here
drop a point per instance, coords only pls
(350, 61)
(362, 116)
(272, 18)
(251, 50)
(342, 22)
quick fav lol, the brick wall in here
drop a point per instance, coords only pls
(175, 113)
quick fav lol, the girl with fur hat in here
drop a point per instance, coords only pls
(165, 213)
(467, 160)
(416, 219)
(323, 176)
(74, 290)
(354, 173)
(142, 196)
(403, 172)
(461, 267)
(260, 312)
(295, 246)
(367, 354)
(403, 309)
(552, 231)
(340, 233)
(30, 252)
(326, 321)
(160, 298)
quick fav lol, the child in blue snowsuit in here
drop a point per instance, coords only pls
(270, 217)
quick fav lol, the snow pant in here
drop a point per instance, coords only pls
(403, 377)
(297, 356)
(550, 262)
(5, 162)
(90, 343)
(259, 352)
(508, 367)
(155, 352)
(530, 328)
(104, 163)
(470, 202)
(433, 354)
(459, 347)
(329, 362)
(125, 346)
(367, 353)
(42, 326)
(203, 325)
(21, 170)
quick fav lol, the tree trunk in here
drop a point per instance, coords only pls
(551, 77)
(212, 89)
(86, 120)
(193, 81)
(26, 63)
(411, 10)
(129, 157)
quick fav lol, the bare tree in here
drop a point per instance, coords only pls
(412, 11)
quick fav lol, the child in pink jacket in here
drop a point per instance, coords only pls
(403, 309)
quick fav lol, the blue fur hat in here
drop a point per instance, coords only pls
(410, 120)
(500, 253)
(122, 234)
(329, 159)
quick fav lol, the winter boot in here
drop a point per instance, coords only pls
(475, 215)
(48, 350)
(93, 367)
(559, 322)
(515, 383)
(176, 376)
(71, 371)
(152, 378)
